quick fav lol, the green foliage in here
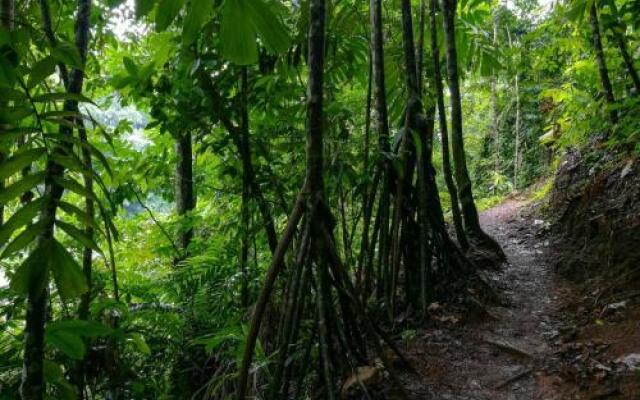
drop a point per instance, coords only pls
(166, 12)
(49, 256)
(199, 12)
(68, 336)
(242, 22)
(177, 327)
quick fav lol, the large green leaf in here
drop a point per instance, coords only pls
(75, 187)
(199, 12)
(81, 215)
(33, 274)
(242, 22)
(54, 376)
(9, 136)
(67, 53)
(78, 235)
(48, 256)
(23, 239)
(68, 343)
(166, 12)
(143, 7)
(237, 33)
(140, 343)
(41, 70)
(270, 29)
(86, 145)
(7, 72)
(66, 272)
(67, 336)
(79, 327)
(56, 114)
(130, 66)
(13, 94)
(19, 161)
(21, 186)
(20, 218)
(52, 371)
(15, 114)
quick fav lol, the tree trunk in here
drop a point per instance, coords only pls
(310, 202)
(516, 156)
(474, 232)
(494, 103)
(32, 386)
(420, 46)
(516, 152)
(381, 120)
(607, 89)
(368, 194)
(87, 255)
(185, 201)
(245, 215)
(422, 152)
(444, 130)
(628, 61)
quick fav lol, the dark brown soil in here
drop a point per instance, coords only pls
(542, 343)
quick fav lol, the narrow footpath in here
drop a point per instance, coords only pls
(500, 355)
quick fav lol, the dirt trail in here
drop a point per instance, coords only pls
(499, 356)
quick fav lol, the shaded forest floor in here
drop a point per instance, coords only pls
(547, 340)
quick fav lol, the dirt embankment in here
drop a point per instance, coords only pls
(594, 214)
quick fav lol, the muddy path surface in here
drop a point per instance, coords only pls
(501, 354)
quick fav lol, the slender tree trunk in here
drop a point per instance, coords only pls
(246, 190)
(420, 45)
(469, 212)
(516, 156)
(628, 61)
(367, 199)
(32, 386)
(87, 255)
(381, 121)
(313, 178)
(494, 102)
(444, 130)
(516, 152)
(618, 32)
(607, 89)
(185, 200)
(367, 115)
